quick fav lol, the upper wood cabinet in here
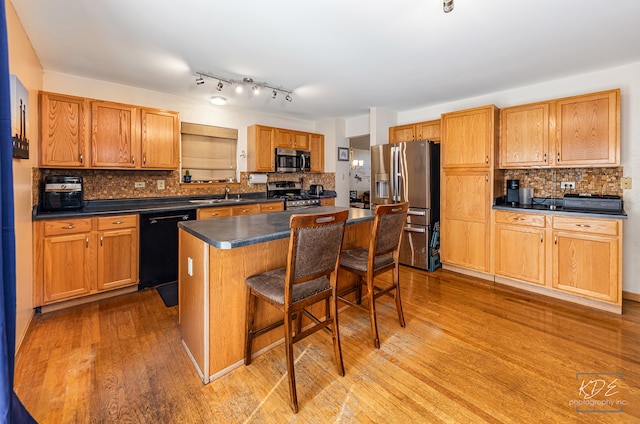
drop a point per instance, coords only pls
(427, 130)
(524, 136)
(262, 141)
(114, 135)
(468, 137)
(316, 146)
(77, 132)
(292, 139)
(64, 131)
(580, 131)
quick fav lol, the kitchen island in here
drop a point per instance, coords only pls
(215, 258)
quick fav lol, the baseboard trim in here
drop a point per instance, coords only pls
(635, 297)
(87, 299)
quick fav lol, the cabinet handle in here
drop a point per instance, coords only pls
(486, 159)
(486, 177)
(144, 160)
(69, 227)
(81, 158)
(518, 219)
(545, 158)
(133, 160)
(541, 238)
(100, 241)
(555, 239)
(118, 222)
(214, 214)
(86, 242)
(583, 225)
(558, 156)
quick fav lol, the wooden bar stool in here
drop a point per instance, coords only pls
(309, 277)
(380, 257)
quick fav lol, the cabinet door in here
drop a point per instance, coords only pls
(428, 130)
(284, 138)
(117, 258)
(114, 135)
(260, 149)
(588, 130)
(464, 225)
(524, 136)
(159, 132)
(520, 252)
(64, 131)
(586, 264)
(328, 201)
(300, 140)
(316, 146)
(402, 133)
(245, 209)
(468, 137)
(67, 266)
(271, 207)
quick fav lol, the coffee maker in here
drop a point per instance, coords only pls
(513, 196)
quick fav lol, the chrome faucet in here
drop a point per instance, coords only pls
(226, 192)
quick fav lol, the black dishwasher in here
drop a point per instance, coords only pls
(159, 246)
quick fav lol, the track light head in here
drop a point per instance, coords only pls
(220, 85)
(199, 81)
(447, 5)
(274, 94)
(255, 89)
(288, 98)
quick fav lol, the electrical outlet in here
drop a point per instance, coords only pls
(138, 184)
(625, 183)
(568, 184)
(160, 184)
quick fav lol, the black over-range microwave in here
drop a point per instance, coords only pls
(291, 160)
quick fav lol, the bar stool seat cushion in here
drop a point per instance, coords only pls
(271, 284)
(357, 259)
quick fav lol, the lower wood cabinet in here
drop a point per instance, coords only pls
(81, 256)
(328, 201)
(575, 255)
(271, 207)
(245, 209)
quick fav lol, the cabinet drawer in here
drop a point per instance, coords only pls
(70, 226)
(245, 209)
(519, 218)
(585, 225)
(208, 213)
(272, 207)
(115, 222)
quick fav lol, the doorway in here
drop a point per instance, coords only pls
(359, 171)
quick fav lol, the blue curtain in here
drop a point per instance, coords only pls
(11, 409)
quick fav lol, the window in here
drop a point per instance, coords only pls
(208, 152)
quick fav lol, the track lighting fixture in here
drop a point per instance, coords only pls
(239, 86)
(447, 5)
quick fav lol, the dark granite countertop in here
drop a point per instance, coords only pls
(154, 204)
(556, 207)
(237, 231)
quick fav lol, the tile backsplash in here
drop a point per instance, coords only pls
(103, 184)
(546, 182)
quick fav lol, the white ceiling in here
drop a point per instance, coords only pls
(340, 57)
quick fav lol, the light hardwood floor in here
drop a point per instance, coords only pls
(471, 352)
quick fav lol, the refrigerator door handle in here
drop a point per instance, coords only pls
(415, 230)
(416, 213)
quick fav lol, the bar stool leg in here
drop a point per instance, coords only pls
(372, 311)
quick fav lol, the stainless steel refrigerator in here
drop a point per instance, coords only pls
(410, 172)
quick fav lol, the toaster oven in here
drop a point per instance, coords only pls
(60, 193)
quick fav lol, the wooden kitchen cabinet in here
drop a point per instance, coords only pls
(117, 249)
(520, 246)
(464, 223)
(524, 136)
(245, 209)
(114, 135)
(160, 139)
(469, 137)
(316, 147)
(271, 207)
(579, 131)
(587, 129)
(328, 201)
(292, 139)
(587, 257)
(64, 131)
(427, 130)
(83, 256)
(215, 212)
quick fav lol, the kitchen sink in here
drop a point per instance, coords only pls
(207, 201)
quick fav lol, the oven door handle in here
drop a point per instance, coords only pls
(295, 208)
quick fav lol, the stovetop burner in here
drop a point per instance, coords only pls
(291, 193)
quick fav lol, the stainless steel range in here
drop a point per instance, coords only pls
(291, 193)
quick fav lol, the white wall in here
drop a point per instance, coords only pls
(627, 78)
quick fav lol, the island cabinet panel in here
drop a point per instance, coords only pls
(64, 131)
(524, 136)
(114, 135)
(160, 139)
